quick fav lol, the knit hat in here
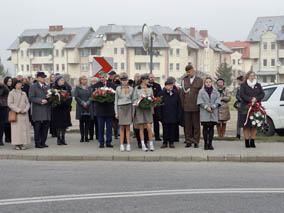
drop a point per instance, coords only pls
(57, 78)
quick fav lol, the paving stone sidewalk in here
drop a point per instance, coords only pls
(232, 151)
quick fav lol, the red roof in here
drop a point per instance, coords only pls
(239, 44)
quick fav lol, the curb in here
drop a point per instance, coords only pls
(145, 158)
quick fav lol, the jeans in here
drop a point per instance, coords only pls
(102, 120)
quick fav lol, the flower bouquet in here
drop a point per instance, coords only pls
(56, 97)
(103, 94)
(147, 102)
(257, 115)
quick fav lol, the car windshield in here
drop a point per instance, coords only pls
(267, 93)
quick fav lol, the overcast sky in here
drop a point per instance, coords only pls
(226, 20)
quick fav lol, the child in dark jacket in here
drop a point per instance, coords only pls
(170, 113)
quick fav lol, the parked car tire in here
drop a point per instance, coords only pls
(269, 129)
(280, 132)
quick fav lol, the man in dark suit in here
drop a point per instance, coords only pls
(156, 90)
(41, 111)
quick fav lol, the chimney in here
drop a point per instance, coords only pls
(203, 33)
(192, 31)
(55, 28)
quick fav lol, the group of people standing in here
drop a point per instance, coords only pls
(196, 102)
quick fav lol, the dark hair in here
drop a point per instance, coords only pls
(240, 78)
(6, 79)
(15, 82)
(188, 67)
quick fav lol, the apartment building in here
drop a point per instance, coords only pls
(52, 50)
(266, 40)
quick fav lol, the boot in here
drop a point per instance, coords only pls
(205, 145)
(219, 130)
(252, 144)
(223, 130)
(210, 146)
(247, 143)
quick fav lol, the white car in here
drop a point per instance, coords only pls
(273, 102)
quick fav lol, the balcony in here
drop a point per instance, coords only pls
(42, 60)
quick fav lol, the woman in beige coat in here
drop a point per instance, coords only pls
(18, 102)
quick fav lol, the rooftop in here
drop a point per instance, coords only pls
(239, 45)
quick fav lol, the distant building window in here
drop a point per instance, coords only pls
(122, 66)
(265, 62)
(40, 53)
(115, 51)
(22, 53)
(28, 67)
(95, 51)
(234, 61)
(22, 67)
(156, 66)
(122, 51)
(84, 52)
(272, 79)
(281, 45)
(177, 52)
(140, 66)
(63, 67)
(265, 45)
(140, 51)
(57, 67)
(56, 53)
(273, 45)
(273, 62)
(28, 53)
(177, 67)
(171, 52)
(85, 67)
(115, 66)
(40, 67)
(171, 66)
(264, 79)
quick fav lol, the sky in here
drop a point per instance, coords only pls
(226, 20)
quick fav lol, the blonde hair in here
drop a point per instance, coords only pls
(81, 78)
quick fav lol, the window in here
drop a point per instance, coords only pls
(272, 79)
(171, 52)
(265, 45)
(265, 62)
(122, 51)
(171, 66)
(56, 53)
(282, 95)
(40, 67)
(239, 61)
(95, 51)
(115, 66)
(62, 53)
(22, 67)
(273, 62)
(63, 67)
(122, 66)
(28, 67)
(156, 66)
(267, 93)
(115, 51)
(84, 52)
(177, 67)
(177, 52)
(140, 51)
(281, 45)
(85, 67)
(273, 45)
(22, 53)
(40, 53)
(47, 52)
(57, 67)
(28, 53)
(264, 79)
(234, 61)
(140, 66)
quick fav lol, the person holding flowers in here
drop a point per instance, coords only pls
(124, 110)
(143, 113)
(61, 118)
(251, 94)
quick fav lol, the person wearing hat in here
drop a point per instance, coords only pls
(111, 75)
(124, 110)
(191, 85)
(143, 117)
(60, 114)
(41, 111)
(169, 113)
(224, 109)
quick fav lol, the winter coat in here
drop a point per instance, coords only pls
(40, 112)
(170, 112)
(18, 101)
(82, 96)
(4, 91)
(204, 101)
(103, 109)
(189, 93)
(60, 114)
(224, 109)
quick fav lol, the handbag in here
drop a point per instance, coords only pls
(237, 104)
(12, 116)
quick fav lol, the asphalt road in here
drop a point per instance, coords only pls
(30, 186)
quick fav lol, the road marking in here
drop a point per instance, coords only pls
(57, 198)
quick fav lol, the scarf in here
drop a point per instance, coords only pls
(209, 90)
(251, 84)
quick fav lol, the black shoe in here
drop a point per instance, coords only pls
(158, 139)
(109, 146)
(91, 138)
(39, 147)
(1, 143)
(7, 140)
(87, 140)
(139, 145)
(210, 146)
(63, 142)
(196, 145)
(53, 135)
(205, 145)
(188, 145)
(252, 144)
(102, 146)
(59, 142)
(247, 143)
(44, 146)
(82, 140)
(238, 136)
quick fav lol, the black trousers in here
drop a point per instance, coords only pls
(40, 132)
(156, 127)
(208, 130)
(8, 132)
(169, 133)
(85, 125)
(94, 125)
